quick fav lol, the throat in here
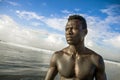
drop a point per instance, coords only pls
(76, 50)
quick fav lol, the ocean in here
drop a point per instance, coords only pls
(19, 62)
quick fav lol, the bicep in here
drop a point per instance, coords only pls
(52, 71)
(100, 70)
(100, 75)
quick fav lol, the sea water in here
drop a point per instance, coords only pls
(17, 61)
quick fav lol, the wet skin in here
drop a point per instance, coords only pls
(76, 62)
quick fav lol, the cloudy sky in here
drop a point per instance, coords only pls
(41, 23)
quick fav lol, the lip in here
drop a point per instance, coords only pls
(69, 38)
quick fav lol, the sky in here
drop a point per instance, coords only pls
(41, 23)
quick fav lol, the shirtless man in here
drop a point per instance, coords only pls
(76, 62)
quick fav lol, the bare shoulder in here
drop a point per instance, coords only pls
(95, 57)
(54, 58)
(57, 54)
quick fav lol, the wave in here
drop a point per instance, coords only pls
(112, 62)
(26, 47)
(48, 51)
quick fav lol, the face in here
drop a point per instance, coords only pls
(74, 32)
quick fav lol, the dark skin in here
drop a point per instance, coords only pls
(76, 62)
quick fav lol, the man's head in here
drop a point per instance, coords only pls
(76, 29)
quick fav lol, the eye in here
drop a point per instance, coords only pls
(76, 28)
(66, 29)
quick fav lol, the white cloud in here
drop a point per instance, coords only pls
(99, 30)
(56, 23)
(12, 32)
(66, 11)
(112, 10)
(13, 3)
(101, 36)
(28, 15)
(55, 41)
(113, 19)
(7, 25)
(89, 43)
(36, 24)
(115, 41)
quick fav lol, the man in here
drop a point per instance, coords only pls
(76, 62)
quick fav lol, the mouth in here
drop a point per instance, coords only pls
(69, 38)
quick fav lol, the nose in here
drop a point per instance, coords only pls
(69, 31)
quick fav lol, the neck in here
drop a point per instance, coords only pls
(79, 48)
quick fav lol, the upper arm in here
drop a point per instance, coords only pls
(52, 71)
(100, 69)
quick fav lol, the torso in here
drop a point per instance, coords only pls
(80, 67)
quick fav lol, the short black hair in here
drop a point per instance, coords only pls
(82, 19)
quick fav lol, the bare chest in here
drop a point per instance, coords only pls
(79, 67)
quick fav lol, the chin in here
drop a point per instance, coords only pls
(70, 42)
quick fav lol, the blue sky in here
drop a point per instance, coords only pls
(41, 23)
